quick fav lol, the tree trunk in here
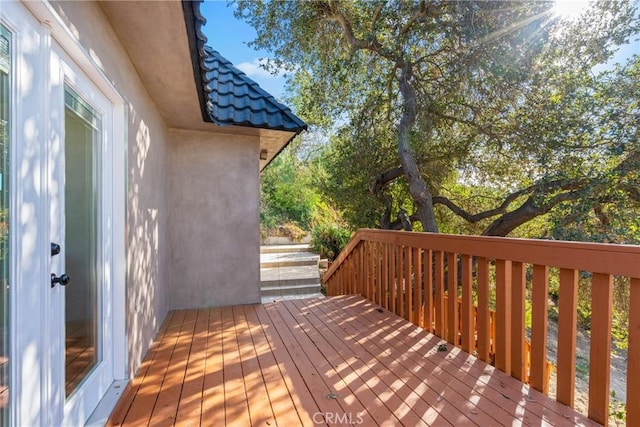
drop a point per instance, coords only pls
(417, 187)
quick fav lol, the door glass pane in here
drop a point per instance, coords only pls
(5, 69)
(82, 147)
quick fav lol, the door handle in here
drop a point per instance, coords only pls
(63, 280)
(55, 249)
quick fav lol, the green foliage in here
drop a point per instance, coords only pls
(617, 409)
(287, 195)
(328, 240)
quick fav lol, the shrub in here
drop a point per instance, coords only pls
(328, 240)
(292, 231)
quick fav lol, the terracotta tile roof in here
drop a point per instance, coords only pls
(228, 96)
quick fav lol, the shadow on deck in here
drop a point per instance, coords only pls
(336, 361)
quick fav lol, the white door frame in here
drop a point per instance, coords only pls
(36, 30)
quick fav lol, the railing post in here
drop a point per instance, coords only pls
(503, 316)
(518, 296)
(600, 349)
(567, 319)
(452, 298)
(540, 291)
(483, 309)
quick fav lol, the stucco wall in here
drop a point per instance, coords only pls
(214, 236)
(146, 197)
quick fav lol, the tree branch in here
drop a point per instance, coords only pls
(383, 179)
(526, 212)
(502, 209)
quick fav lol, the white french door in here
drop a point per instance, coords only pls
(81, 221)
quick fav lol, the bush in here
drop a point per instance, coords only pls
(328, 240)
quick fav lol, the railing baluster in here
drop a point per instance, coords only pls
(385, 277)
(567, 317)
(427, 257)
(600, 349)
(439, 300)
(361, 268)
(538, 378)
(518, 296)
(367, 271)
(408, 291)
(502, 344)
(379, 260)
(483, 309)
(452, 298)
(417, 286)
(345, 277)
(372, 266)
(400, 275)
(362, 286)
(633, 355)
(374, 271)
(467, 328)
(353, 267)
(392, 276)
(354, 273)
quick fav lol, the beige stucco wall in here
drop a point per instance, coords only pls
(214, 238)
(146, 235)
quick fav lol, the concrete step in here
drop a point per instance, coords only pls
(288, 259)
(290, 290)
(303, 272)
(270, 249)
(268, 299)
(288, 272)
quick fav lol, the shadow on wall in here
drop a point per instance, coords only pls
(143, 240)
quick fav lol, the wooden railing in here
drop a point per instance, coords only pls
(411, 274)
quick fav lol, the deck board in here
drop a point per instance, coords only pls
(332, 361)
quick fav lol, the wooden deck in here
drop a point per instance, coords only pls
(333, 361)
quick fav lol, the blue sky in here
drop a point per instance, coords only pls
(230, 36)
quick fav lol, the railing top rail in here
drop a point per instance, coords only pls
(621, 260)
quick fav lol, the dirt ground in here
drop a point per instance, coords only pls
(618, 371)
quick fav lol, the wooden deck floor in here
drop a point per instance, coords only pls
(335, 361)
